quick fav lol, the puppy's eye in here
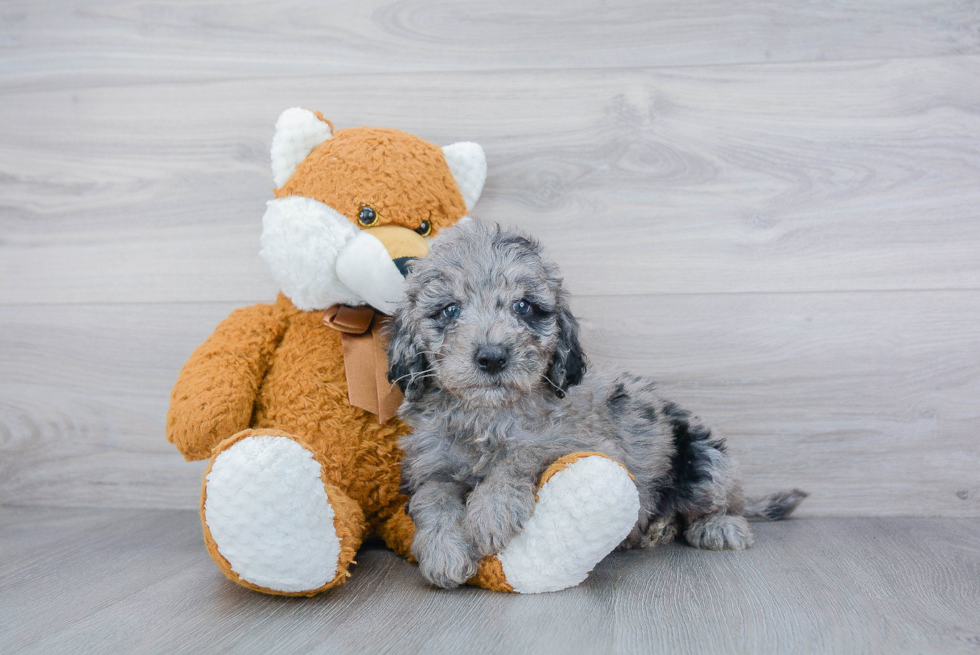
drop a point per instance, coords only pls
(522, 307)
(424, 228)
(451, 311)
(367, 216)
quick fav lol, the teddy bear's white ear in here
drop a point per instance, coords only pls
(298, 132)
(468, 164)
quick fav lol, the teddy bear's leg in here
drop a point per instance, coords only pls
(586, 505)
(271, 521)
(398, 532)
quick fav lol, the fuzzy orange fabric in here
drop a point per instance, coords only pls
(490, 575)
(215, 393)
(399, 242)
(404, 179)
(296, 384)
(277, 370)
(398, 532)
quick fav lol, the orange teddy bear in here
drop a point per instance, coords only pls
(304, 463)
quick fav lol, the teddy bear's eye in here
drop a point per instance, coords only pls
(424, 228)
(367, 216)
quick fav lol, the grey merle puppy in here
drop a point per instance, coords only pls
(496, 389)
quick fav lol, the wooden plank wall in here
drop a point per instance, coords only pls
(773, 207)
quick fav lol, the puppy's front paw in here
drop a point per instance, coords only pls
(445, 559)
(492, 520)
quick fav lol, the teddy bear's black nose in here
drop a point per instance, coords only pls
(492, 359)
(401, 263)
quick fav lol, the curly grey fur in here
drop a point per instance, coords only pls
(774, 507)
(481, 439)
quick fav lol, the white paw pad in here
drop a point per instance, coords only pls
(583, 512)
(268, 513)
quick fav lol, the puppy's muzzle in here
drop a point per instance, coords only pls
(492, 359)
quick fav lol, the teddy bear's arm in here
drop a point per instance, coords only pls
(215, 392)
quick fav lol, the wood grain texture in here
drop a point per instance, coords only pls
(65, 44)
(140, 581)
(867, 400)
(790, 177)
(770, 206)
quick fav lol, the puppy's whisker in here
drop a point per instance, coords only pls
(548, 380)
(415, 374)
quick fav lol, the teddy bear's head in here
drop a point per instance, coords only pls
(352, 207)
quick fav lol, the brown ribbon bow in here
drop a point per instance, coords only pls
(365, 359)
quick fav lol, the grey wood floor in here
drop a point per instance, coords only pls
(118, 580)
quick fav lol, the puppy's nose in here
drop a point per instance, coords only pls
(492, 359)
(401, 263)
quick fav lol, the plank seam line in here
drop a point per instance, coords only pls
(480, 71)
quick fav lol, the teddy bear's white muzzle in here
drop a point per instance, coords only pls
(319, 258)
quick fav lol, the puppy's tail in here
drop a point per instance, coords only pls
(773, 507)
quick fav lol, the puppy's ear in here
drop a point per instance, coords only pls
(407, 367)
(568, 363)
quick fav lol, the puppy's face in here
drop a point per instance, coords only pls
(485, 320)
